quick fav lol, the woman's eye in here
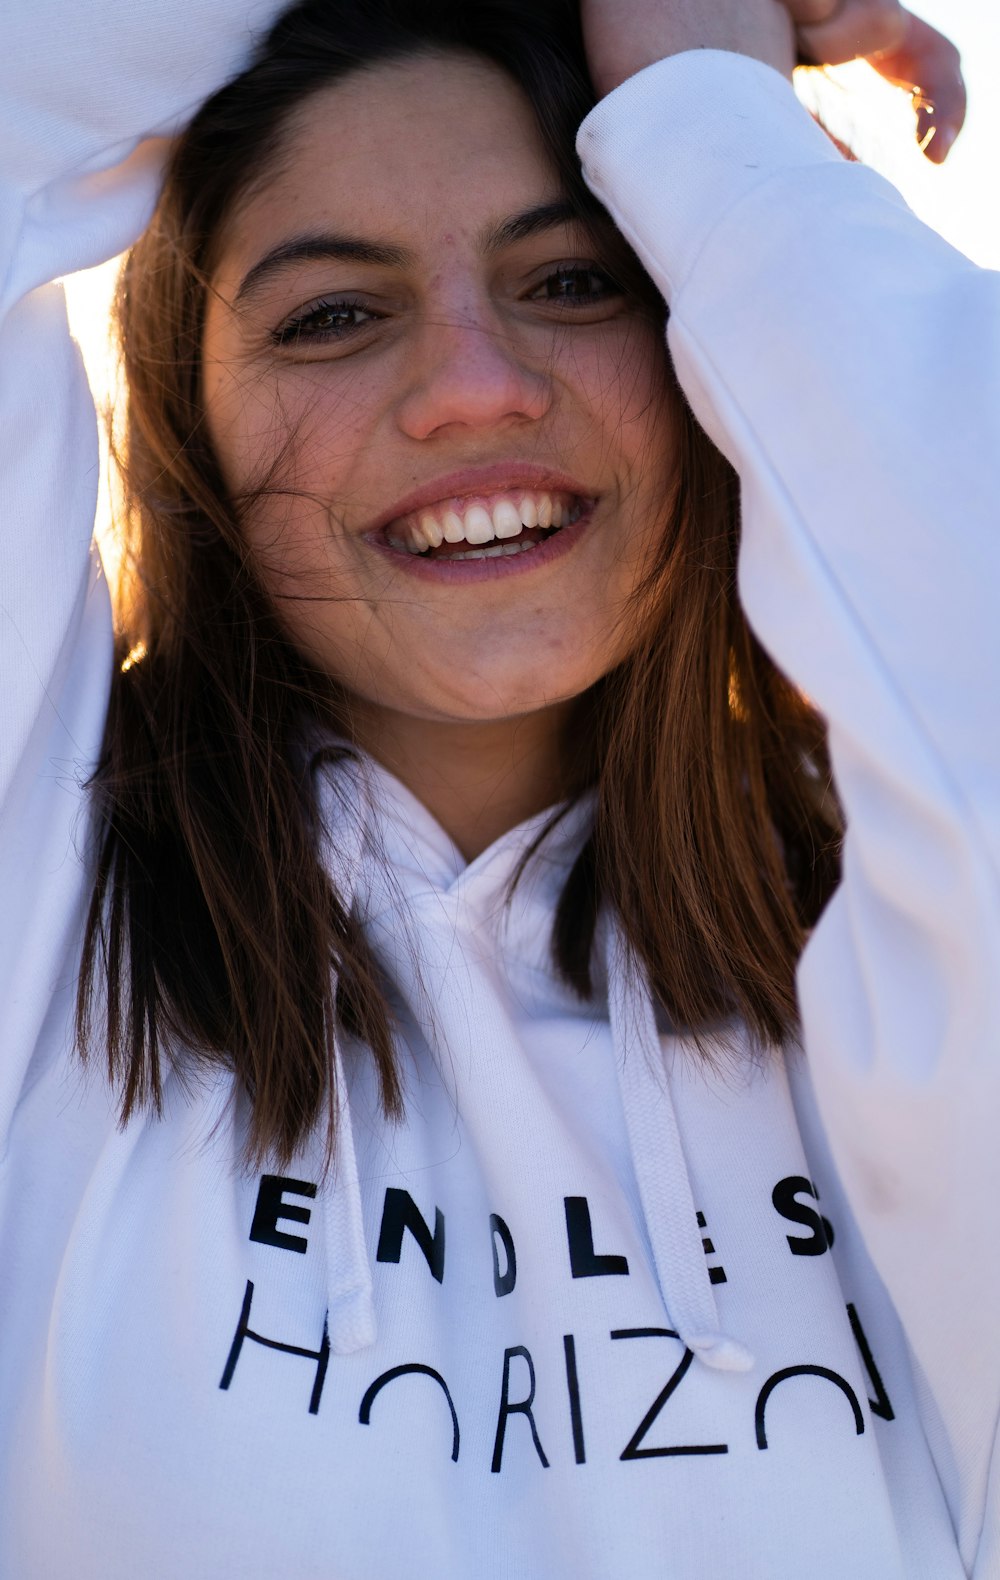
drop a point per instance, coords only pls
(326, 321)
(580, 284)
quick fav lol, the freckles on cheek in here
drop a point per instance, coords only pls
(294, 429)
(324, 448)
(239, 406)
(620, 380)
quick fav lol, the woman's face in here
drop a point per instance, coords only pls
(412, 339)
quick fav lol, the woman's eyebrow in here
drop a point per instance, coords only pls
(325, 245)
(320, 248)
(519, 227)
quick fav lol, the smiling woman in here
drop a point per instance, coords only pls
(450, 864)
(473, 359)
(409, 344)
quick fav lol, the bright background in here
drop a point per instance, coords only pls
(960, 199)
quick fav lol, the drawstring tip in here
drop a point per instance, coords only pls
(351, 1323)
(720, 1353)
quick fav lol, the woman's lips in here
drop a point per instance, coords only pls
(477, 484)
(531, 549)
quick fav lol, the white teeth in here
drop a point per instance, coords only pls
(454, 527)
(495, 551)
(506, 519)
(432, 530)
(478, 525)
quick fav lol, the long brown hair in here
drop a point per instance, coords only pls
(215, 932)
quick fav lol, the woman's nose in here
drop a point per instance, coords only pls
(467, 372)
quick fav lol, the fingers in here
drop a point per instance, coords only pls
(854, 28)
(809, 13)
(901, 47)
(930, 64)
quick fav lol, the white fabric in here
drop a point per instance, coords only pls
(669, 1211)
(200, 1370)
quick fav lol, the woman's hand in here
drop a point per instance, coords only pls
(901, 47)
(623, 36)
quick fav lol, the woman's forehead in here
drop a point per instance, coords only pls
(404, 149)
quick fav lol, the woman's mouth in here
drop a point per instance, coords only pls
(490, 526)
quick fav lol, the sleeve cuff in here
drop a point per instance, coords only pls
(673, 149)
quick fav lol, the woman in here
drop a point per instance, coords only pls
(613, 1295)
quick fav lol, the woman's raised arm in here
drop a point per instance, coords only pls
(848, 362)
(81, 87)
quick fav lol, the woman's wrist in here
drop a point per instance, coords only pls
(624, 36)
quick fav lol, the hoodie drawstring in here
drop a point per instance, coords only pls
(350, 1302)
(661, 1170)
(350, 1319)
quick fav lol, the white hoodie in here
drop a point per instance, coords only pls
(580, 1315)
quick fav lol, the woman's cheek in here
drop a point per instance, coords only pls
(314, 428)
(623, 373)
(298, 428)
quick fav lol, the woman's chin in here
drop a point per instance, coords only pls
(480, 703)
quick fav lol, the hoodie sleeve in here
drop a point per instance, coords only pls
(847, 361)
(88, 92)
